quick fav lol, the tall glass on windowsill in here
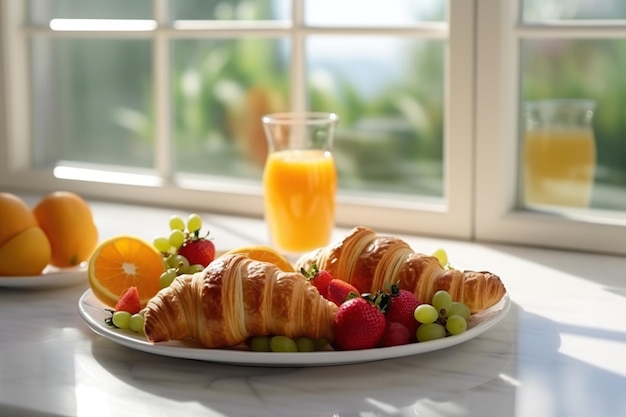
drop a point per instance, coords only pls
(559, 156)
(300, 180)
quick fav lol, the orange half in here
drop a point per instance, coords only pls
(122, 262)
(265, 254)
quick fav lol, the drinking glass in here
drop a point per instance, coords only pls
(300, 180)
(559, 158)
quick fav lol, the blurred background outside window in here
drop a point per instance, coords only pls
(93, 96)
(561, 60)
(173, 90)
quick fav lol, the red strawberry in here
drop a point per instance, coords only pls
(198, 251)
(402, 309)
(396, 334)
(359, 324)
(129, 301)
(319, 279)
(339, 291)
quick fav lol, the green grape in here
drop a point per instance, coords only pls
(260, 343)
(283, 344)
(305, 344)
(442, 300)
(177, 238)
(430, 331)
(178, 261)
(460, 309)
(162, 244)
(167, 277)
(194, 223)
(136, 323)
(194, 268)
(425, 313)
(121, 319)
(456, 324)
(177, 223)
(320, 343)
(441, 255)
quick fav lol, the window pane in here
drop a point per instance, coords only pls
(542, 10)
(370, 13)
(221, 88)
(42, 11)
(389, 93)
(91, 101)
(230, 9)
(590, 69)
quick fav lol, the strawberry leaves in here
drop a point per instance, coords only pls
(319, 278)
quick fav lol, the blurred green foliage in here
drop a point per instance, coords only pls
(390, 135)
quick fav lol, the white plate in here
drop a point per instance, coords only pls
(93, 313)
(50, 277)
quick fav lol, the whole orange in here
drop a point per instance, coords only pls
(68, 223)
(24, 248)
(27, 253)
(15, 216)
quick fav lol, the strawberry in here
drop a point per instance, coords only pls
(402, 309)
(198, 251)
(359, 324)
(319, 279)
(395, 334)
(129, 301)
(339, 291)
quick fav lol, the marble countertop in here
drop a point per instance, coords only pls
(559, 352)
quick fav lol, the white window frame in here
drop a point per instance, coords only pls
(499, 31)
(480, 138)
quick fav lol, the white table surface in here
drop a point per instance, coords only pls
(561, 350)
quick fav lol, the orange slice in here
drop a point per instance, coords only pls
(264, 254)
(122, 262)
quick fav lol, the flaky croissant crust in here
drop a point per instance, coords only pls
(372, 262)
(235, 298)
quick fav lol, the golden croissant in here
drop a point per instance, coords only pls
(371, 263)
(235, 298)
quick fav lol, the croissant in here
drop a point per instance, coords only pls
(235, 298)
(371, 262)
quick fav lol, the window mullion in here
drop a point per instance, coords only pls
(459, 121)
(17, 90)
(298, 58)
(162, 96)
(573, 30)
(496, 124)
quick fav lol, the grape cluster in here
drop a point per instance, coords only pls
(441, 318)
(125, 320)
(177, 264)
(285, 344)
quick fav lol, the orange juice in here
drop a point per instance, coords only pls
(300, 188)
(559, 166)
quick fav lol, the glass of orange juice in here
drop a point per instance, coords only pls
(559, 156)
(300, 180)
